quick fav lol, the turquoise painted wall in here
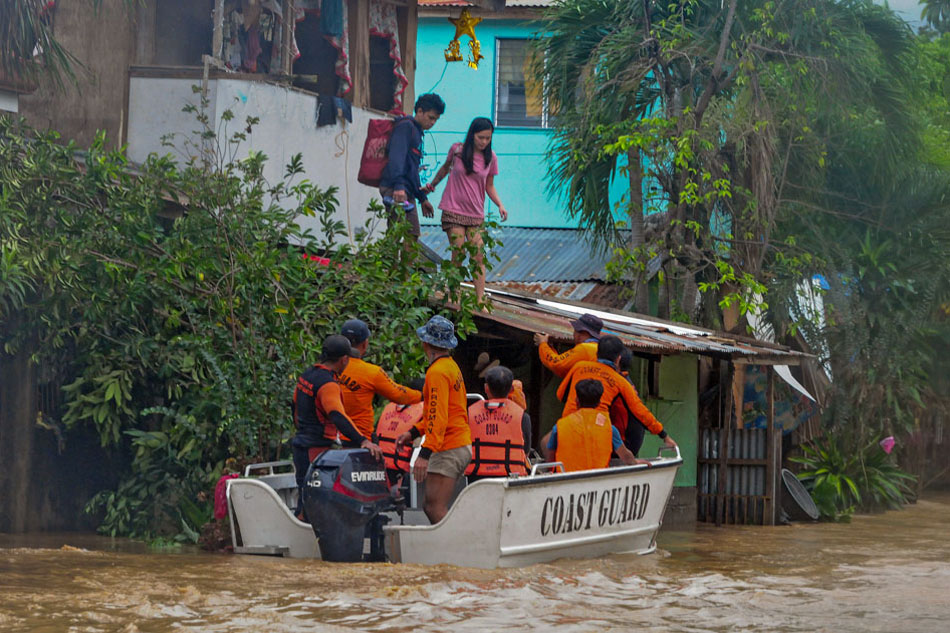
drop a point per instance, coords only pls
(470, 93)
(523, 169)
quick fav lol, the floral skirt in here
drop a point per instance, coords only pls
(451, 219)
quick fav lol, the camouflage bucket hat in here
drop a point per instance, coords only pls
(439, 332)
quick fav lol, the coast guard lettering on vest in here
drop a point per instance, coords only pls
(597, 508)
(368, 475)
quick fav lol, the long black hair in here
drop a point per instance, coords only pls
(479, 124)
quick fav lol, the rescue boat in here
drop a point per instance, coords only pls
(500, 522)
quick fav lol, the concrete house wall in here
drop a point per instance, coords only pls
(331, 154)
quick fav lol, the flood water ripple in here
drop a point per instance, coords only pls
(882, 573)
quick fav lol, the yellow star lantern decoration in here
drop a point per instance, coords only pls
(453, 53)
(476, 56)
(465, 25)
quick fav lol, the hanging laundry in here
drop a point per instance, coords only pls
(329, 106)
(344, 106)
(326, 110)
(253, 50)
(331, 17)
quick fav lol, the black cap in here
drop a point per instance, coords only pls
(335, 347)
(588, 323)
(355, 330)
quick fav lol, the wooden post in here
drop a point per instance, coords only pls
(145, 33)
(287, 39)
(725, 432)
(407, 32)
(17, 419)
(359, 51)
(217, 42)
(773, 453)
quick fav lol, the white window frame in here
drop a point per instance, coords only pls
(545, 115)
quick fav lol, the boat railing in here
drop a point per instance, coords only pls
(659, 453)
(269, 467)
(546, 467)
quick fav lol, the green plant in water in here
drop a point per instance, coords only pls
(843, 480)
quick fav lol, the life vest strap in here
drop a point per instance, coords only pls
(478, 460)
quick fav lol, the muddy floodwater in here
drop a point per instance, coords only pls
(888, 572)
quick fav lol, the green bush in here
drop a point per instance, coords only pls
(183, 337)
(843, 479)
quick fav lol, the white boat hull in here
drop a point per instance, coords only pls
(505, 522)
(528, 520)
(267, 526)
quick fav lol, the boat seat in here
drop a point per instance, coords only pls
(284, 483)
(281, 534)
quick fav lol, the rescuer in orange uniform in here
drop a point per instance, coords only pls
(318, 411)
(584, 439)
(360, 381)
(446, 450)
(395, 420)
(501, 430)
(586, 334)
(615, 387)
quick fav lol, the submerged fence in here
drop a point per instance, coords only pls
(737, 478)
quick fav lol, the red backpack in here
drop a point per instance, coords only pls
(376, 150)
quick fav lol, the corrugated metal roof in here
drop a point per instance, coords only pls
(593, 292)
(508, 3)
(536, 314)
(533, 254)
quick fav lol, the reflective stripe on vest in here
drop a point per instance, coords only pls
(395, 420)
(584, 440)
(497, 443)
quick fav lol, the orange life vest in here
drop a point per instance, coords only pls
(584, 440)
(395, 420)
(497, 441)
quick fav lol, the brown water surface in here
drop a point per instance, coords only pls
(885, 573)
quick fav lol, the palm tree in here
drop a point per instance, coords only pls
(27, 46)
(713, 94)
(937, 14)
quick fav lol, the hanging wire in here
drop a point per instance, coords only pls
(425, 168)
(444, 68)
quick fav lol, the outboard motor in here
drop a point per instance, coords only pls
(344, 490)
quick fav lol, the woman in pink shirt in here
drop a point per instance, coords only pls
(471, 167)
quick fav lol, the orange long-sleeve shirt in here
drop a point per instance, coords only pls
(360, 381)
(615, 387)
(445, 421)
(560, 364)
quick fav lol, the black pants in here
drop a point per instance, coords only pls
(302, 460)
(634, 439)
